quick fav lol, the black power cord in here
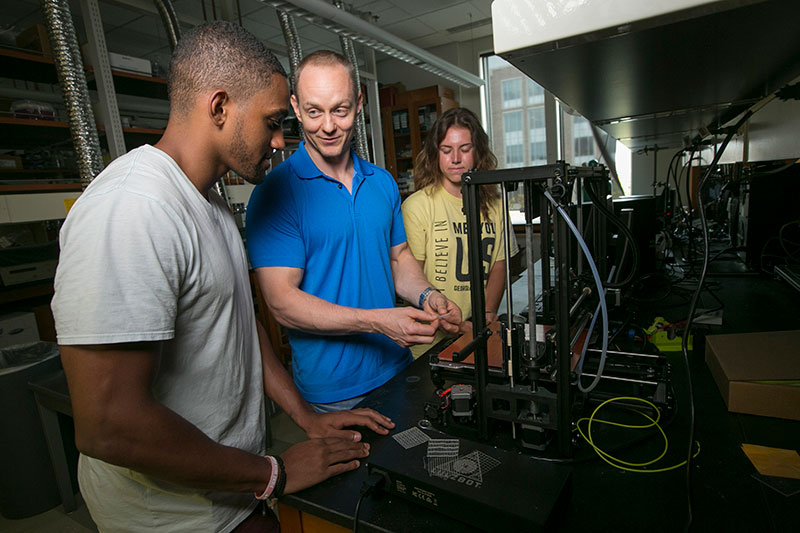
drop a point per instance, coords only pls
(693, 305)
(374, 481)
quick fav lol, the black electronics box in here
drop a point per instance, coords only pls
(486, 487)
(639, 213)
(767, 202)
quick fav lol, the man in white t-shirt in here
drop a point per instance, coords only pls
(166, 365)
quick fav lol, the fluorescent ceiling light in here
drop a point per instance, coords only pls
(339, 21)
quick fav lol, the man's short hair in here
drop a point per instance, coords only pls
(326, 58)
(219, 55)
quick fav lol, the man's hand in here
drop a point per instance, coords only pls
(332, 424)
(407, 326)
(447, 311)
(310, 462)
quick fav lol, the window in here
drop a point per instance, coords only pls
(535, 93)
(512, 137)
(515, 112)
(536, 136)
(512, 93)
(583, 141)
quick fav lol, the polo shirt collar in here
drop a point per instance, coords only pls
(305, 168)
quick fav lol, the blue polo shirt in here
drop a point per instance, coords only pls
(301, 218)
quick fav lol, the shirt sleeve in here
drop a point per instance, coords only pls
(417, 225)
(273, 227)
(123, 262)
(398, 235)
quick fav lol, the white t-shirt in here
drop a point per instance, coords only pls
(144, 257)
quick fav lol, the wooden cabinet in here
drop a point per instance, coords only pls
(405, 126)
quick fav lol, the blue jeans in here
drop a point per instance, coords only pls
(343, 405)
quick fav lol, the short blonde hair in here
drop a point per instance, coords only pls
(327, 58)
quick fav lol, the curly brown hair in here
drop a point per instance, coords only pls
(426, 166)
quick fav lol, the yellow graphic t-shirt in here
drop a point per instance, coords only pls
(436, 230)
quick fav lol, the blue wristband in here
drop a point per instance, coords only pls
(424, 294)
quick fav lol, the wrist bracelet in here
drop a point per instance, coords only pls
(273, 479)
(281, 484)
(424, 294)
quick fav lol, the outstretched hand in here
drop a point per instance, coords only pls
(310, 462)
(448, 313)
(407, 326)
(333, 424)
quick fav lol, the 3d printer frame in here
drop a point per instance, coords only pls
(533, 391)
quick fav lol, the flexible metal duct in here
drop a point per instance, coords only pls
(69, 67)
(294, 50)
(362, 149)
(292, 42)
(170, 20)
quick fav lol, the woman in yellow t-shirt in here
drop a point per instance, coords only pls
(434, 220)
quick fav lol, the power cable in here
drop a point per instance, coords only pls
(693, 304)
(374, 481)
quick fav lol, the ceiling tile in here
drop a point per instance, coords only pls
(192, 9)
(145, 25)
(248, 6)
(432, 40)
(262, 31)
(114, 15)
(359, 4)
(421, 7)
(484, 7)
(410, 29)
(377, 5)
(468, 35)
(450, 17)
(391, 16)
(317, 34)
(263, 15)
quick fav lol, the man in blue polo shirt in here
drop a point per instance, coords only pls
(325, 235)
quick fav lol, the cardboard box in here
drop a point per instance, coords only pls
(757, 373)
(35, 38)
(18, 328)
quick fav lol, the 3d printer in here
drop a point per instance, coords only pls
(522, 382)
